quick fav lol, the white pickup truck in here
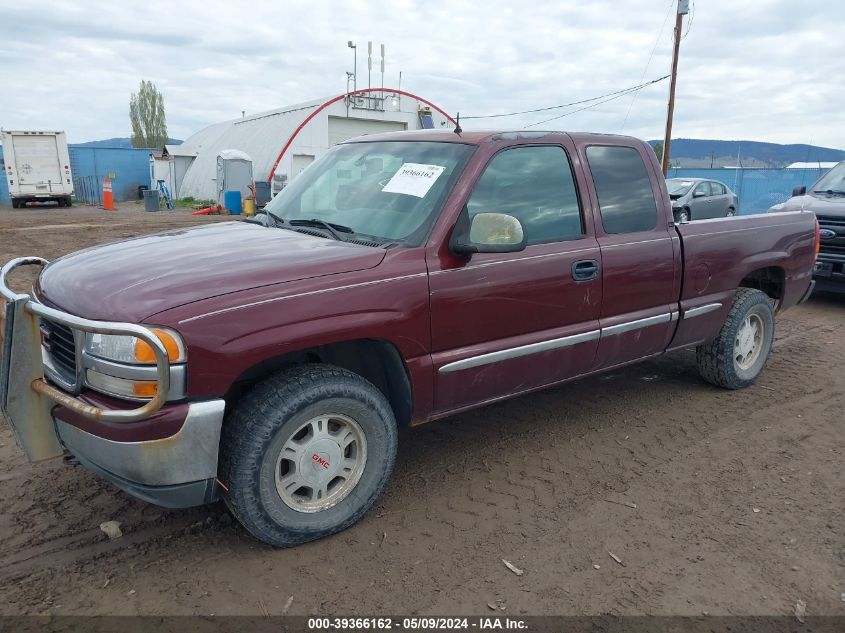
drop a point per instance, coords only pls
(37, 166)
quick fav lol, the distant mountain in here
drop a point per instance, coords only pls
(123, 142)
(690, 152)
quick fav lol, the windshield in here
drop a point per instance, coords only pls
(834, 180)
(678, 187)
(390, 190)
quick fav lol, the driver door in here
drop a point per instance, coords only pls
(505, 323)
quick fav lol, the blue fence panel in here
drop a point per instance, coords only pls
(128, 168)
(758, 189)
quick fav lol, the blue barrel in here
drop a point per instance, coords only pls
(232, 201)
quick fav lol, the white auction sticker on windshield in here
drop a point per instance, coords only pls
(414, 179)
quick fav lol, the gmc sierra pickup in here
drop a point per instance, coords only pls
(399, 279)
(826, 198)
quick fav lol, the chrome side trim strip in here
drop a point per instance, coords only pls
(705, 309)
(522, 350)
(636, 325)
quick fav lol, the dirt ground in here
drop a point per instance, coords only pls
(714, 502)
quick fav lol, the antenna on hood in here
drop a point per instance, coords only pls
(458, 128)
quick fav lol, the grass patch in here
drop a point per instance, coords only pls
(192, 203)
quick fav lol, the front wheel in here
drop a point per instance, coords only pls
(735, 358)
(307, 453)
(730, 212)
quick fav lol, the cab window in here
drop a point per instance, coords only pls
(534, 184)
(626, 200)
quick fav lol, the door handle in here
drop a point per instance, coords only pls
(585, 269)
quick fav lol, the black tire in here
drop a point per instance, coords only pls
(717, 360)
(268, 416)
(684, 215)
(15, 204)
(68, 202)
(730, 212)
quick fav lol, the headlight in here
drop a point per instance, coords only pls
(134, 351)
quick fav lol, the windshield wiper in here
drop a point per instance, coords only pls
(331, 227)
(831, 192)
(274, 220)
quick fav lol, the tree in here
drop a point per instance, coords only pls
(146, 113)
(658, 149)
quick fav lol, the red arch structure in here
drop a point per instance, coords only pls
(322, 107)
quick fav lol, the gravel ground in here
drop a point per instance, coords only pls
(712, 501)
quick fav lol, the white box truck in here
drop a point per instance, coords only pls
(37, 166)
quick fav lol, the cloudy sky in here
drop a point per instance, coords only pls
(768, 70)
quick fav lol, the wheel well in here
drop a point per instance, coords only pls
(770, 280)
(374, 360)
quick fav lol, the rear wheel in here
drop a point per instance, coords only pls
(307, 453)
(735, 358)
(15, 204)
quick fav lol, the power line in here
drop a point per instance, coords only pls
(566, 105)
(609, 98)
(648, 63)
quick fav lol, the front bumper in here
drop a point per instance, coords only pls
(829, 272)
(178, 471)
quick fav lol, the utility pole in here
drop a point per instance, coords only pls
(683, 9)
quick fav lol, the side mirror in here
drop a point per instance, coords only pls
(697, 194)
(488, 233)
(799, 191)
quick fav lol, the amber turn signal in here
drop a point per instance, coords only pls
(144, 389)
(144, 353)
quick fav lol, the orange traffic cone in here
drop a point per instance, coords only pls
(108, 195)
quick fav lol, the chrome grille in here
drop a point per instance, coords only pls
(833, 245)
(831, 220)
(60, 345)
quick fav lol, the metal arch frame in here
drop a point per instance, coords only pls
(41, 387)
(345, 95)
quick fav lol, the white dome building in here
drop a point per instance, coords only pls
(281, 143)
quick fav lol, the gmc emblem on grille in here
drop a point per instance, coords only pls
(45, 338)
(827, 234)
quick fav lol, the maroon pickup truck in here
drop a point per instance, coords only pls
(399, 279)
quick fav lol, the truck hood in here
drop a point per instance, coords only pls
(137, 278)
(819, 204)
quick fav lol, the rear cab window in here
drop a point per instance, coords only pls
(626, 199)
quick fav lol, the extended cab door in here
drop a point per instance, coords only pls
(640, 252)
(507, 323)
